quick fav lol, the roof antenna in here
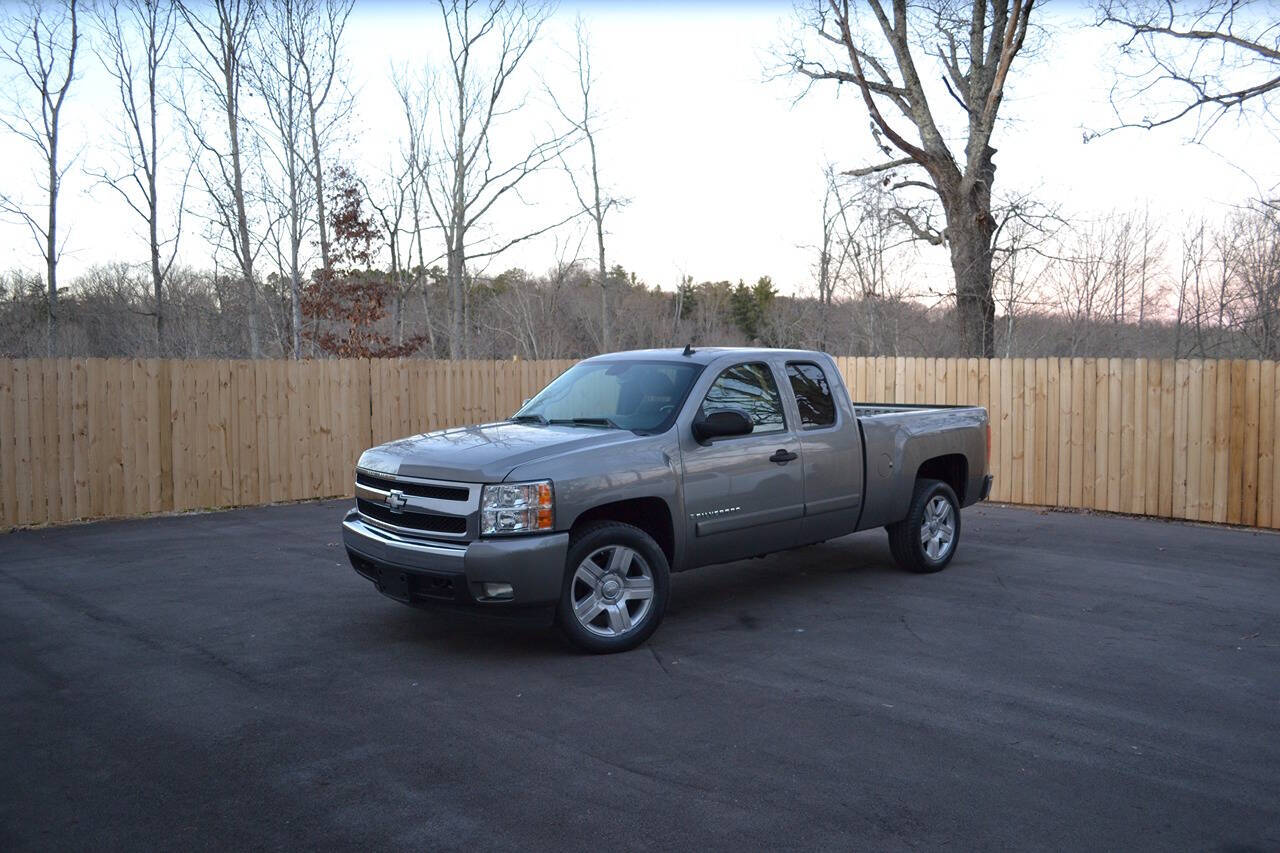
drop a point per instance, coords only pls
(688, 349)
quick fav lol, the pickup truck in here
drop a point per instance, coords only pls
(633, 465)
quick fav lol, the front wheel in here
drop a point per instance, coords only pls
(926, 540)
(615, 588)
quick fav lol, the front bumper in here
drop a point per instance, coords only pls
(422, 572)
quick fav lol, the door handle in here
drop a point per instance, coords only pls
(782, 457)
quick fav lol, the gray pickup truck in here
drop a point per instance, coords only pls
(633, 465)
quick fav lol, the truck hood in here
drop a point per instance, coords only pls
(485, 453)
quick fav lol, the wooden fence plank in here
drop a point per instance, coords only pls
(36, 438)
(1222, 443)
(57, 442)
(1249, 463)
(1182, 495)
(1137, 468)
(1114, 434)
(9, 471)
(1053, 444)
(1168, 381)
(1266, 443)
(1200, 449)
(244, 379)
(22, 457)
(1208, 439)
(141, 429)
(81, 473)
(1235, 442)
(1102, 456)
(1080, 415)
(1127, 423)
(1039, 378)
(1275, 452)
(1019, 431)
(1152, 449)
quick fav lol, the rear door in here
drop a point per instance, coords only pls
(744, 495)
(831, 448)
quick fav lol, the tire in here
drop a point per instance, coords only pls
(933, 510)
(616, 582)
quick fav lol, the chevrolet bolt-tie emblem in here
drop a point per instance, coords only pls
(396, 501)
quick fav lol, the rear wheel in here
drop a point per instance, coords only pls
(926, 540)
(615, 588)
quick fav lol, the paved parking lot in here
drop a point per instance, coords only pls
(226, 681)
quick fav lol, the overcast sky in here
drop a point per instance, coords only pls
(723, 169)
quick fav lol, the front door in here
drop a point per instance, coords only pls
(744, 495)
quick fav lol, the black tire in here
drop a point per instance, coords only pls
(905, 536)
(595, 540)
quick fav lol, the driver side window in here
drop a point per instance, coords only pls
(749, 387)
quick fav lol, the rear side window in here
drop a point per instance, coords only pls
(749, 387)
(813, 394)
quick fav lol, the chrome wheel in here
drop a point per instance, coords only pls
(938, 528)
(612, 591)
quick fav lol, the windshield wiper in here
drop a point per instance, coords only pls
(530, 418)
(600, 422)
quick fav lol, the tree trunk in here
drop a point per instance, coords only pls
(604, 291)
(318, 177)
(970, 230)
(454, 277)
(242, 217)
(51, 248)
(156, 277)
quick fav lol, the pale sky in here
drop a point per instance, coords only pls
(722, 169)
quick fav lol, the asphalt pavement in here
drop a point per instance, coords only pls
(225, 681)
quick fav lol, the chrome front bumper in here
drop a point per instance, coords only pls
(422, 571)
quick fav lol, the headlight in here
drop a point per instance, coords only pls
(517, 508)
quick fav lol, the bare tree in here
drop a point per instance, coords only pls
(220, 37)
(976, 44)
(1081, 289)
(1202, 61)
(1254, 252)
(594, 202)
(275, 73)
(875, 262)
(317, 48)
(415, 94)
(390, 202)
(487, 44)
(137, 36)
(833, 248)
(41, 47)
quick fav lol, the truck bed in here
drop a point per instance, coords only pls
(897, 438)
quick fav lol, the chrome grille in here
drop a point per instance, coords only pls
(415, 506)
(422, 490)
(424, 521)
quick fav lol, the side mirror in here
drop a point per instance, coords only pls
(722, 423)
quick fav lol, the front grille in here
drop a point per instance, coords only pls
(426, 522)
(422, 490)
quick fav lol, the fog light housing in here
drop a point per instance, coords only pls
(498, 591)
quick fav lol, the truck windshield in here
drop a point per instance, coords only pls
(642, 396)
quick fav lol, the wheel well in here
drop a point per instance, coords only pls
(652, 515)
(952, 469)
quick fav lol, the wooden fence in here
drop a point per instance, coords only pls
(96, 438)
